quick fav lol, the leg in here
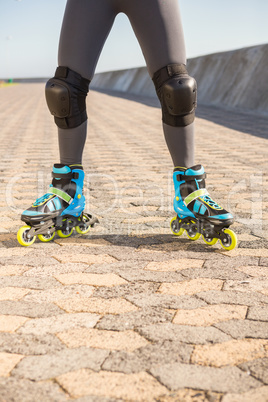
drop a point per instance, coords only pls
(85, 27)
(157, 25)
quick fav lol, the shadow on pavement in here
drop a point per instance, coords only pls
(244, 121)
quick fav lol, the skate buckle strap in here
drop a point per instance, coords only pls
(64, 196)
(70, 175)
(184, 177)
(194, 195)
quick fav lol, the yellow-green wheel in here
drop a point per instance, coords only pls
(46, 237)
(22, 237)
(230, 241)
(210, 241)
(83, 228)
(65, 233)
(193, 236)
(174, 229)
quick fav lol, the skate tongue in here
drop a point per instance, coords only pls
(196, 170)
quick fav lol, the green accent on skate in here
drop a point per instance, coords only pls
(66, 197)
(194, 195)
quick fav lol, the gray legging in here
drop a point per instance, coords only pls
(157, 26)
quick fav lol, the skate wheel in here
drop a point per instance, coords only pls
(65, 233)
(193, 236)
(230, 241)
(83, 228)
(174, 226)
(210, 241)
(22, 236)
(46, 237)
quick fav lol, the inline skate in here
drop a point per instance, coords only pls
(197, 213)
(60, 210)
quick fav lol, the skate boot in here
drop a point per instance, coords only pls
(60, 210)
(197, 213)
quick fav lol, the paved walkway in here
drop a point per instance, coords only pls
(129, 312)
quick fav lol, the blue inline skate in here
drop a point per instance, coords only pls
(60, 210)
(197, 213)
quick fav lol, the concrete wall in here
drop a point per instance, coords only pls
(235, 79)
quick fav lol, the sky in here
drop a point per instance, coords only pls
(30, 29)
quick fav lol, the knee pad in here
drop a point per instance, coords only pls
(177, 92)
(66, 97)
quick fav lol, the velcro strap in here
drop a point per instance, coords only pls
(182, 177)
(64, 196)
(165, 73)
(70, 175)
(72, 77)
(62, 175)
(194, 195)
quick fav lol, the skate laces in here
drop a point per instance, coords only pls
(41, 200)
(213, 204)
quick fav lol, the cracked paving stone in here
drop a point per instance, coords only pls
(230, 353)
(209, 315)
(59, 323)
(29, 344)
(240, 329)
(227, 379)
(102, 339)
(135, 387)
(29, 309)
(165, 301)
(233, 297)
(144, 358)
(134, 319)
(14, 389)
(256, 395)
(183, 333)
(258, 368)
(49, 366)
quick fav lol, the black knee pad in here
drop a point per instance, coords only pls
(66, 97)
(177, 92)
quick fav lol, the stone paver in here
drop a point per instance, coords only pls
(137, 387)
(130, 312)
(209, 315)
(7, 362)
(97, 305)
(230, 353)
(102, 339)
